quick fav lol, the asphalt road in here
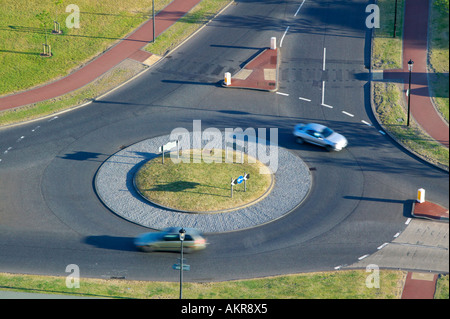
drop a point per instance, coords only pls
(50, 215)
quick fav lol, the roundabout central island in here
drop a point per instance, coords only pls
(134, 184)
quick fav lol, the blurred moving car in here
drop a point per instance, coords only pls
(169, 240)
(320, 135)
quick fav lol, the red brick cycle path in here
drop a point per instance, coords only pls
(415, 46)
(129, 47)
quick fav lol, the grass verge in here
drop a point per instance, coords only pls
(114, 77)
(102, 24)
(389, 103)
(390, 107)
(197, 186)
(168, 40)
(344, 284)
(438, 56)
(387, 50)
(186, 26)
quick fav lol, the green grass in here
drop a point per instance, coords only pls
(344, 284)
(201, 186)
(391, 111)
(187, 25)
(106, 82)
(387, 50)
(24, 69)
(102, 23)
(387, 97)
(442, 288)
(439, 55)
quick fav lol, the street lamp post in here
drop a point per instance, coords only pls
(395, 18)
(182, 234)
(410, 67)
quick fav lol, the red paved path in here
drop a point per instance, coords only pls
(124, 49)
(419, 286)
(266, 60)
(415, 32)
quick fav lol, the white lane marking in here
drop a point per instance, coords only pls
(7, 150)
(20, 138)
(324, 58)
(52, 119)
(396, 235)
(285, 94)
(304, 99)
(349, 114)
(33, 130)
(282, 38)
(367, 123)
(326, 105)
(382, 246)
(362, 257)
(298, 10)
(408, 221)
(323, 92)
(382, 132)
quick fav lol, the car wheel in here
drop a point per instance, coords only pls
(300, 140)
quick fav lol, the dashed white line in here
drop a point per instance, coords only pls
(362, 257)
(382, 246)
(349, 114)
(396, 235)
(7, 150)
(52, 119)
(33, 130)
(326, 105)
(282, 38)
(298, 10)
(324, 58)
(367, 123)
(323, 92)
(382, 132)
(304, 99)
(20, 138)
(285, 94)
(408, 221)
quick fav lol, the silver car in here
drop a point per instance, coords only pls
(169, 240)
(320, 135)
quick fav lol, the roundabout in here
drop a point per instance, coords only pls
(116, 187)
(67, 188)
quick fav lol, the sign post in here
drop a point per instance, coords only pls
(233, 182)
(239, 180)
(167, 147)
(246, 176)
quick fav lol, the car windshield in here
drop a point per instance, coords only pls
(327, 132)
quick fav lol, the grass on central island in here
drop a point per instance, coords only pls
(198, 186)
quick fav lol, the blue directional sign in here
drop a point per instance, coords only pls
(178, 266)
(240, 179)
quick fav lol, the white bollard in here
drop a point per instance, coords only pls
(273, 43)
(420, 195)
(227, 78)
